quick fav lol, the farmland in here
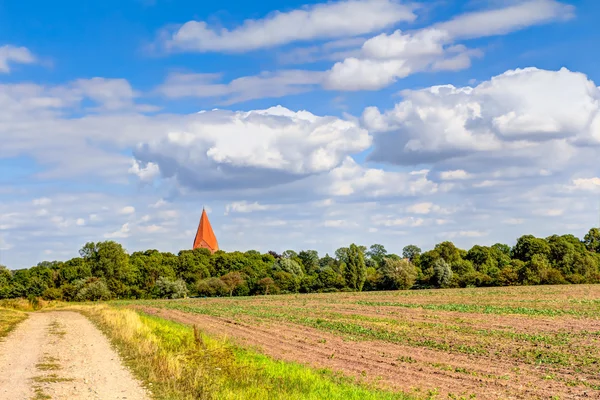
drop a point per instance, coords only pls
(515, 342)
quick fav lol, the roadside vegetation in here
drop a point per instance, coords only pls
(177, 361)
(9, 319)
(106, 271)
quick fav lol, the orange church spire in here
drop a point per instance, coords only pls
(205, 237)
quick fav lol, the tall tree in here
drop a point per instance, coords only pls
(442, 272)
(377, 253)
(592, 240)
(356, 270)
(411, 251)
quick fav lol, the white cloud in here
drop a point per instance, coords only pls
(507, 19)
(513, 221)
(80, 222)
(457, 174)
(123, 232)
(327, 20)
(386, 58)
(42, 201)
(266, 84)
(15, 55)
(252, 149)
(127, 210)
(515, 115)
(552, 212)
(426, 208)
(245, 207)
(160, 203)
(351, 178)
(590, 184)
(338, 223)
(151, 228)
(392, 221)
(145, 173)
(463, 234)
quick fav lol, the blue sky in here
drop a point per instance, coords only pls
(368, 121)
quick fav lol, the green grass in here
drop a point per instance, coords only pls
(9, 319)
(177, 362)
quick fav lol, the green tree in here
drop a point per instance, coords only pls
(232, 280)
(397, 274)
(309, 260)
(212, 287)
(448, 251)
(377, 253)
(355, 268)
(110, 261)
(592, 240)
(288, 265)
(527, 246)
(442, 273)
(266, 285)
(411, 252)
(94, 289)
(171, 289)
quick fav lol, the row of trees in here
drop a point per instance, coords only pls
(105, 270)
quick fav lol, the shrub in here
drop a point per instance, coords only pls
(170, 289)
(52, 294)
(94, 290)
(398, 274)
(212, 287)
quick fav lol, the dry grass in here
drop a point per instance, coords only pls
(9, 319)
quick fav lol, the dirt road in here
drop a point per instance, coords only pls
(62, 355)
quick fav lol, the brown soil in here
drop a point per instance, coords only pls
(63, 356)
(390, 365)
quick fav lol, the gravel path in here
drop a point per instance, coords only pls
(62, 355)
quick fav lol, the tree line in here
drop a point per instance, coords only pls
(105, 270)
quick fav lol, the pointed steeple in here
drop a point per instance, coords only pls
(205, 237)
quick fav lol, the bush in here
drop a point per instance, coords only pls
(52, 294)
(94, 290)
(212, 287)
(398, 274)
(169, 289)
(267, 285)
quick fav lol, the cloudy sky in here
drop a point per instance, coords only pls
(298, 125)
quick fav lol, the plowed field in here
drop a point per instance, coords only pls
(520, 342)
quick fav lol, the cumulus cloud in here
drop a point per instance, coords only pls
(14, 55)
(386, 58)
(326, 20)
(253, 149)
(516, 115)
(351, 178)
(146, 172)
